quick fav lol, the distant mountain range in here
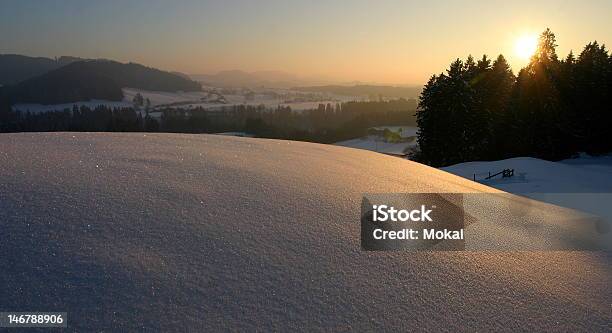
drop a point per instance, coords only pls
(68, 79)
(61, 80)
(238, 78)
(366, 90)
(279, 79)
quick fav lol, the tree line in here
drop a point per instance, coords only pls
(552, 109)
(326, 124)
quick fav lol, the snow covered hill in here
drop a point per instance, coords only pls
(171, 232)
(580, 175)
(583, 183)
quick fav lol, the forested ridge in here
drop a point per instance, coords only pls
(93, 79)
(15, 68)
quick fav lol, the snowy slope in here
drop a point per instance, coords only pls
(583, 183)
(169, 232)
(378, 145)
(582, 175)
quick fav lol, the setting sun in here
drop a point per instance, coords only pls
(526, 46)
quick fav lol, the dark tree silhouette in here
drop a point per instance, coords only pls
(552, 109)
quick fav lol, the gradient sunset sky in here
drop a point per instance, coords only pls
(398, 42)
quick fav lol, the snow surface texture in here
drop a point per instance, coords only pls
(169, 232)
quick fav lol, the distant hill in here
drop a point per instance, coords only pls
(183, 75)
(64, 85)
(365, 90)
(16, 68)
(238, 78)
(95, 79)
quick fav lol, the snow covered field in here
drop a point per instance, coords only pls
(404, 131)
(377, 144)
(581, 183)
(210, 98)
(531, 175)
(171, 232)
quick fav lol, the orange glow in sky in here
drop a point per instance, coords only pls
(388, 41)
